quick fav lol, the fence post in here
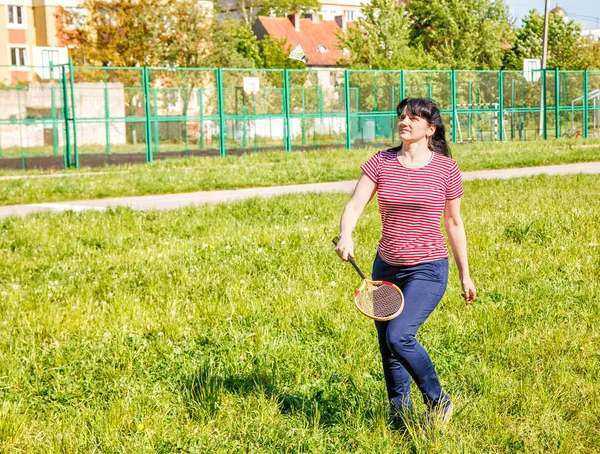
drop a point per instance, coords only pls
(347, 109)
(106, 114)
(155, 146)
(147, 113)
(545, 105)
(201, 111)
(286, 106)
(221, 107)
(374, 91)
(557, 102)
(585, 104)
(65, 108)
(54, 123)
(74, 121)
(402, 86)
(501, 105)
(453, 99)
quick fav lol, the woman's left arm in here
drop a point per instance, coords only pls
(458, 242)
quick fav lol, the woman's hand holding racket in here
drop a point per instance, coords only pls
(378, 300)
(344, 247)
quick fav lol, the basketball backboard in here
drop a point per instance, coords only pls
(47, 59)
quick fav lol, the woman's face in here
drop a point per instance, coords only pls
(413, 128)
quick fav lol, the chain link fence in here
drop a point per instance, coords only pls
(93, 116)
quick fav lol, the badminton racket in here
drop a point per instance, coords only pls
(379, 300)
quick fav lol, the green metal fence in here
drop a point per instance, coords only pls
(92, 116)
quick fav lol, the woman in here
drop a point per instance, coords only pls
(415, 183)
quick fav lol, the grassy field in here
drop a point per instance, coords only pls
(230, 328)
(268, 169)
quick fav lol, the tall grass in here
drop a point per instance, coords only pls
(269, 169)
(230, 328)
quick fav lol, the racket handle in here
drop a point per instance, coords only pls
(350, 259)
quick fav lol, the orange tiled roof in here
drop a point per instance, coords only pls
(310, 37)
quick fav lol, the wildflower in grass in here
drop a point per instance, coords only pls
(259, 250)
(227, 247)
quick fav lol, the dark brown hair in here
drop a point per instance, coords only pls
(426, 109)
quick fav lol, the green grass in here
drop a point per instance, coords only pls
(268, 169)
(230, 328)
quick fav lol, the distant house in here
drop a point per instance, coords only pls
(316, 37)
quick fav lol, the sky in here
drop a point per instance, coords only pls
(579, 8)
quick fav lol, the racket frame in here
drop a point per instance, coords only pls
(368, 282)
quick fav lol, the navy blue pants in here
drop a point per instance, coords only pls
(403, 357)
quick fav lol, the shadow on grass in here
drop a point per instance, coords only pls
(323, 403)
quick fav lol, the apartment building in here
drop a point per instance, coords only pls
(350, 9)
(25, 26)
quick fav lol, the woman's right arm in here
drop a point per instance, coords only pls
(363, 193)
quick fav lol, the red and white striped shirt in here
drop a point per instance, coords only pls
(411, 202)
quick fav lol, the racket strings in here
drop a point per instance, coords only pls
(380, 302)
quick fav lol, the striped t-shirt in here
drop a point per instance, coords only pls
(411, 202)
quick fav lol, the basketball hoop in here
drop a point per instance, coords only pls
(251, 85)
(531, 69)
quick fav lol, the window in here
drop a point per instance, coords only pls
(349, 14)
(15, 15)
(18, 56)
(321, 49)
(328, 14)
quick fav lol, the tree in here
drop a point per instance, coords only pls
(283, 7)
(249, 9)
(123, 33)
(186, 40)
(565, 43)
(380, 40)
(181, 34)
(233, 46)
(591, 53)
(461, 34)
(275, 54)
